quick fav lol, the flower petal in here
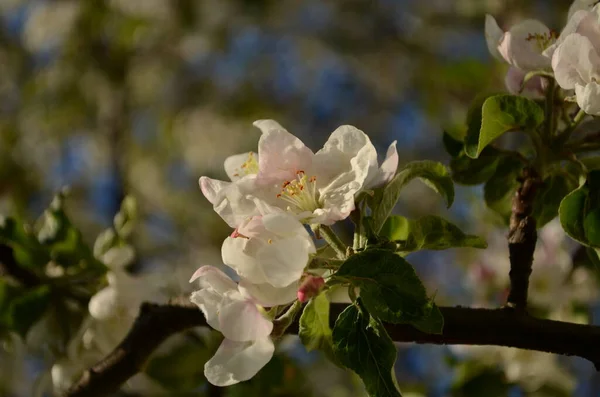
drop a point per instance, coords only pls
(520, 50)
(230, 200)
(283, 224)
(209, 302)
(280, 154)
(241, 255)
(284, 260)
(588, 98)
(266, 295)
(387, 171)
(493, 35)
(215, 279)
(236, 362)
(575, 62)
(239, 165)
(104, 303)
(241, 320)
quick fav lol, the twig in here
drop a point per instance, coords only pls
(462, 326)
(522, 238)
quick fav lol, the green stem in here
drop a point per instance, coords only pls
(548, 113)
(282, 323)
(333, 240)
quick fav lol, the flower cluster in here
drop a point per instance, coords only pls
(271, 197)
(572, 57)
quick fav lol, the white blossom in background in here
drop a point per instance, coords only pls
(285, 175)
(273, 249)
(49, 23)
(231, 309)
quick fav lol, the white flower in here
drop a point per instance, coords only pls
(576, 60)
(522, 46)
(272, 249)
(535, 87)
(581, 5)
(285, 175)
(232, 310)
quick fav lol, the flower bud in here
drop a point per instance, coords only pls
(310, 287)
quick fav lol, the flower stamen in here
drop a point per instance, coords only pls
(301, 193)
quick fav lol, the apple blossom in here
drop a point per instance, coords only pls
(231, 309)
(285, 175)
(522, 46)
(310, 286)
(272, 249)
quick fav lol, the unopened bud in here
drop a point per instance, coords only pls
(311, 286)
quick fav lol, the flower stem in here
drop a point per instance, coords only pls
(333, 240)
(282, 323)
(548, 113)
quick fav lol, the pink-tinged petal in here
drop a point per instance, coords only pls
(280, 154)
(240, 165)
(520, 46)
(575, 62)
(212, 188)
(241, 321)
(493, 35)
(213, 278)
(311, 286)
(387, 171)
(580, 5)
(534, 88)
(266, 295)
(209, 302)
(588, 98)
(253, 227)
(573, 26)
(236, 362)
(240, 254)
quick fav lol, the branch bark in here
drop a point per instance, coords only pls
(522, 237)
(462, 326)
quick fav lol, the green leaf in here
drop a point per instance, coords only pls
(27, 308)
(549, 196)
(361, 344)
(591, 163)
(434, 175)
(468, 171)
(500, 188)
(500, 114)
(125, 219)
(314, 331)
(452, 145)
(389, 286)
(8, 292)
(27, 250)
(429, 232)
(579, 212)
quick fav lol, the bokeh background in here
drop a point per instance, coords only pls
(141, 97)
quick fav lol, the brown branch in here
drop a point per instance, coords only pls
(522, 237)
(462, 326)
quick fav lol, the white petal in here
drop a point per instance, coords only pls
(230, 200)
(386, 172)
(534, 88)
(241, 321)
(284, 260)
(519, 50)
(236, 362)
(234, 165)
(493, 35)
(575, 61)
(267, 125)
(283, 224)
(241, 255)
(572, 27)
(280, 154)
(209, 302)
(104, 303)
(588, 98)
(266, 295)
(213, 278)
(579, 5)
(118, 257)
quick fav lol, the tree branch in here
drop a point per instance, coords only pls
(462, 326)
(522, 237)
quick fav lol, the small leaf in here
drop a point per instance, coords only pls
(362, 344)
(500, 114)
(453, 146)
(579, 212)
(314, 331)
(431, 324)
(26, 309)
(8, 292)
(389, 286)
(434, 175)
(429, 232)
(27, 250)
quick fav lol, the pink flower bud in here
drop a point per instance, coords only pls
(311, 286)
